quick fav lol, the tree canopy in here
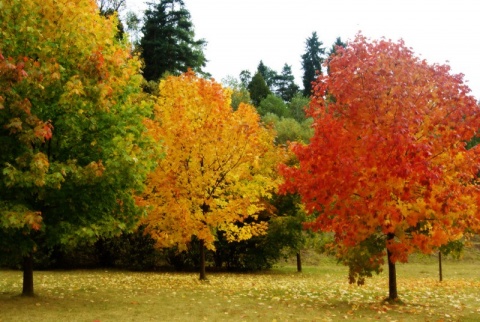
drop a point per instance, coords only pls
(285, 86)
(312, 61)
(72, 134)
(273, 104)
(219, 166)
(258, 89)
(388, 167)
(168, 43)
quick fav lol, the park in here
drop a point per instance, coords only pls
(355, 197)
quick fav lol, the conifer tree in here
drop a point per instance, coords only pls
(258, 89)
(168, 43)
(312, 62)
(333, 50)
(285, 84)
(268, 74)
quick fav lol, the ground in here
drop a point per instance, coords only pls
(320, 293)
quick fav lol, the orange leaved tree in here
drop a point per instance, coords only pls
(219, 166)
(388, 168)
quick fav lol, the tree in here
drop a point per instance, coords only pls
(108, 7)
(168, 43)
(312, 61)
(132, 22)
(268, 74)
(219, 166)
(288, 224)
(240, 93)
(273, 104)
(71, 128)
(113, 7)
(338, 43)
(333, 51)
(297, 107)
(258, 89)
(285, 86)
(388, 167)
(245, 77)
(288, 129)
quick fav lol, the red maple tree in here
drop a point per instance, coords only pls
(388, 168)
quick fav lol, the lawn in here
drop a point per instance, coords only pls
(320, 293)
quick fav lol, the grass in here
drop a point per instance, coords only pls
(320, 293)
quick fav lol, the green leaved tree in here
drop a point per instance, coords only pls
(240, 93)
(74, 149)
(273, 104)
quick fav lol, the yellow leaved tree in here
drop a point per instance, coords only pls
(218, 170)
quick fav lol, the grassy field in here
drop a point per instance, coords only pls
(320, 293)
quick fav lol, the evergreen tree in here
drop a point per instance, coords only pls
(312, 62)
(269, 75)
(168, 43)
(338, 43)
(258, 89)
(333, 50)
(285, 84)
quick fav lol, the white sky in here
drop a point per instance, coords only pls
(240, 33)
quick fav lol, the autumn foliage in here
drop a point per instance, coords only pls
(218, 169)
(71, 126)
(388, 165)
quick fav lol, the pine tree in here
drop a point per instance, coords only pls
(338, 43)
(258, 89)
(269, 75)
(312, 62)
(168, 43)
(333, 50)
(285, 84)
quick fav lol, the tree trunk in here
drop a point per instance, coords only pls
(299, 262)
(28, 275)
(392, 274)
(440, 265)
(203, 275)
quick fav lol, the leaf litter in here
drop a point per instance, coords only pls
(245, 297)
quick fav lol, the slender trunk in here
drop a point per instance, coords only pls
(203, 275)
(28, 275)
(392, 274)
(440, 265)
(299, 262)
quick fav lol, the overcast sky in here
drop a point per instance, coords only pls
(240, 33)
